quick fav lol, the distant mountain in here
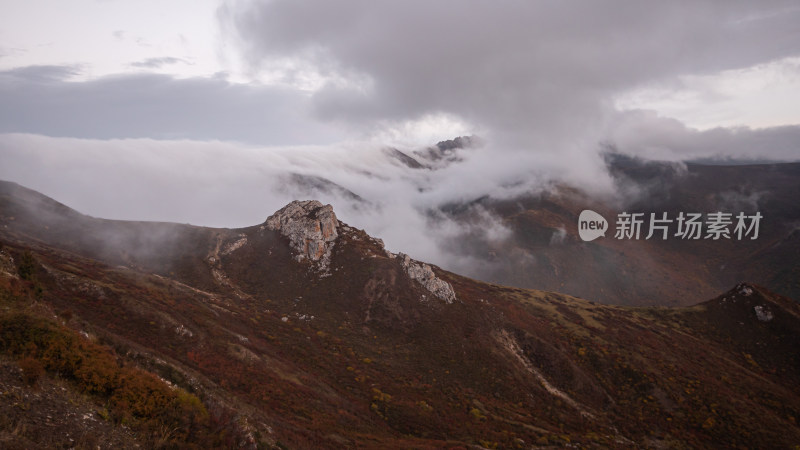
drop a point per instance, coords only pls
(304, 332)
(544, 250)
(435, 157)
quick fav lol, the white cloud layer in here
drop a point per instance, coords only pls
(234, 185)
(544, 83)
(760, 96)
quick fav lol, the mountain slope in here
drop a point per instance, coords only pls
(305, 332)
(543, 249)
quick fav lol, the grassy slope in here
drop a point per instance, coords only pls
(282, 356)
(377, 366)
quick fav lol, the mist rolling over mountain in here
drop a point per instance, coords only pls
(304, 331)
(442, 204)
(366, 224)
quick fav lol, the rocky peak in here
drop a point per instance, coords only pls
(311, 228)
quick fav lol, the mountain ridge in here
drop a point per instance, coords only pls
(367, 356)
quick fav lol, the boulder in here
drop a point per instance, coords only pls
(423, 274)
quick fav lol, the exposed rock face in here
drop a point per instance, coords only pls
(7, 264)
(423, 274)
(744, 289)
(763, 313)
(311, 228)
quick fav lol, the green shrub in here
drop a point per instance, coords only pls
(26, 268)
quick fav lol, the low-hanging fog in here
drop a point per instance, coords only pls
(235, 185)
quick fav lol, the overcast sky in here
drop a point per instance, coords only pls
(154, 89)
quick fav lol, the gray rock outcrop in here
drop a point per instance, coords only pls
(423, 274)
(311, 228)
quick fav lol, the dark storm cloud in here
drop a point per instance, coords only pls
(155, 63)
(40, 100)
(39, 74)
(533, 72)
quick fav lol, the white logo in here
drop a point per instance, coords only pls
(591, 225)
